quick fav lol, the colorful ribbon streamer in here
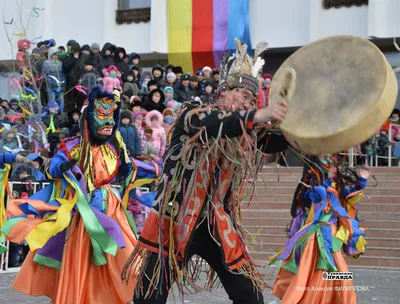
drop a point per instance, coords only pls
(9, 23)
(81, 89)
(21, 34)
(12, 80)
(36, 9)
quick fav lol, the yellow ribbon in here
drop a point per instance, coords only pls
(4, 184)
(53, 224)
(22, 34)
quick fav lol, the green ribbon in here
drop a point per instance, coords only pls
(101, 241)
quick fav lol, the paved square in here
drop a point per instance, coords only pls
(382, 287)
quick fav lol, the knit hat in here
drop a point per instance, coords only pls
(185, 77)
(85, 47)
(177, 70)
(200, 73)
(172, 74)
(167, 88)
(206, 68)
(94, 46)
(136, 114)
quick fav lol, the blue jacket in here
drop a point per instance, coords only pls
(131, 139)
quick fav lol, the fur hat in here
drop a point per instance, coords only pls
(207, 68)
(162, 98)
(158, 68)
(185, 77)
(177, 70)
(152, 82)
(126, 114)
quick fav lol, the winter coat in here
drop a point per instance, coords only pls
(131, 86)
(90, 79)
(60, 120)
(131, 139)
(74, 68)
(109, 83)
(106, 61)
(55, 69)
(120, 63)
(183, 94)
(158, 138)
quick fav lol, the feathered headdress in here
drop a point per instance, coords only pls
(240, 70)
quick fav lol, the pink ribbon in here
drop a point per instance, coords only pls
(12, 84)
(81, 89)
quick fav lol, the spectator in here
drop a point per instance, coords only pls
(183, 91)
(138, 118)
(178, 72)
(207, 73)
(169, 68)
(130, 84)
(95, 48)
(74, 68)
(207, 94)
(74, 126)
(22, 56)
(14, 104)
(171, 79)
(9, 141)
(155, 101)
(151, 85)
(3, 118)
(111, 78)
(158, 74)
(91, 76)
(95, 56)
(154, 120)
(37, 62)
(146, 80)
(85, 49)
(37, 166)
(134, 59)
(200, 75)
(194, 83)
(215, 75)
(105, 58)
(61, 49)
(130, 134)
(137, 71)
(52, 69)
(169, 94)
(119, 56)
(69, 44)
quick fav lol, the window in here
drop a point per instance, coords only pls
(343, 3)
(133, 4)
(133, 11)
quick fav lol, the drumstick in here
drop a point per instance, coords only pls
(288, 86)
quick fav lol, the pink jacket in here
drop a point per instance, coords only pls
(109, 83)
(159, 139)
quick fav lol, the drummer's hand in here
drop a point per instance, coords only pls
(275, 112)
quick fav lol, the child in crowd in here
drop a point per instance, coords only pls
(169, 120)
(135, 104)
(169, 94)
(130, 135)
(174, 106)
(171, 79)
(111, 78)
(9, 141)
(154, 120)
(207, 94)
(137, 72)
(91, 76)
(138, 118)
(130, 84)
(145, 84)
(23, 46)
(74, 128)
(38, 166)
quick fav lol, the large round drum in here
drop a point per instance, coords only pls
(345, 91)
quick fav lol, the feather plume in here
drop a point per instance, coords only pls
(260, 48)
(257, 67)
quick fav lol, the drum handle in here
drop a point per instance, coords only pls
(288, 86)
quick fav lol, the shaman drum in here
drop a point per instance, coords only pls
(345, 91)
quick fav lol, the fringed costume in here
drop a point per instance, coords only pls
(325, 223)
(78, 229)
(197, 208)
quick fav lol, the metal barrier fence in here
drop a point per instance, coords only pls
(4, 258)
(374, 161)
